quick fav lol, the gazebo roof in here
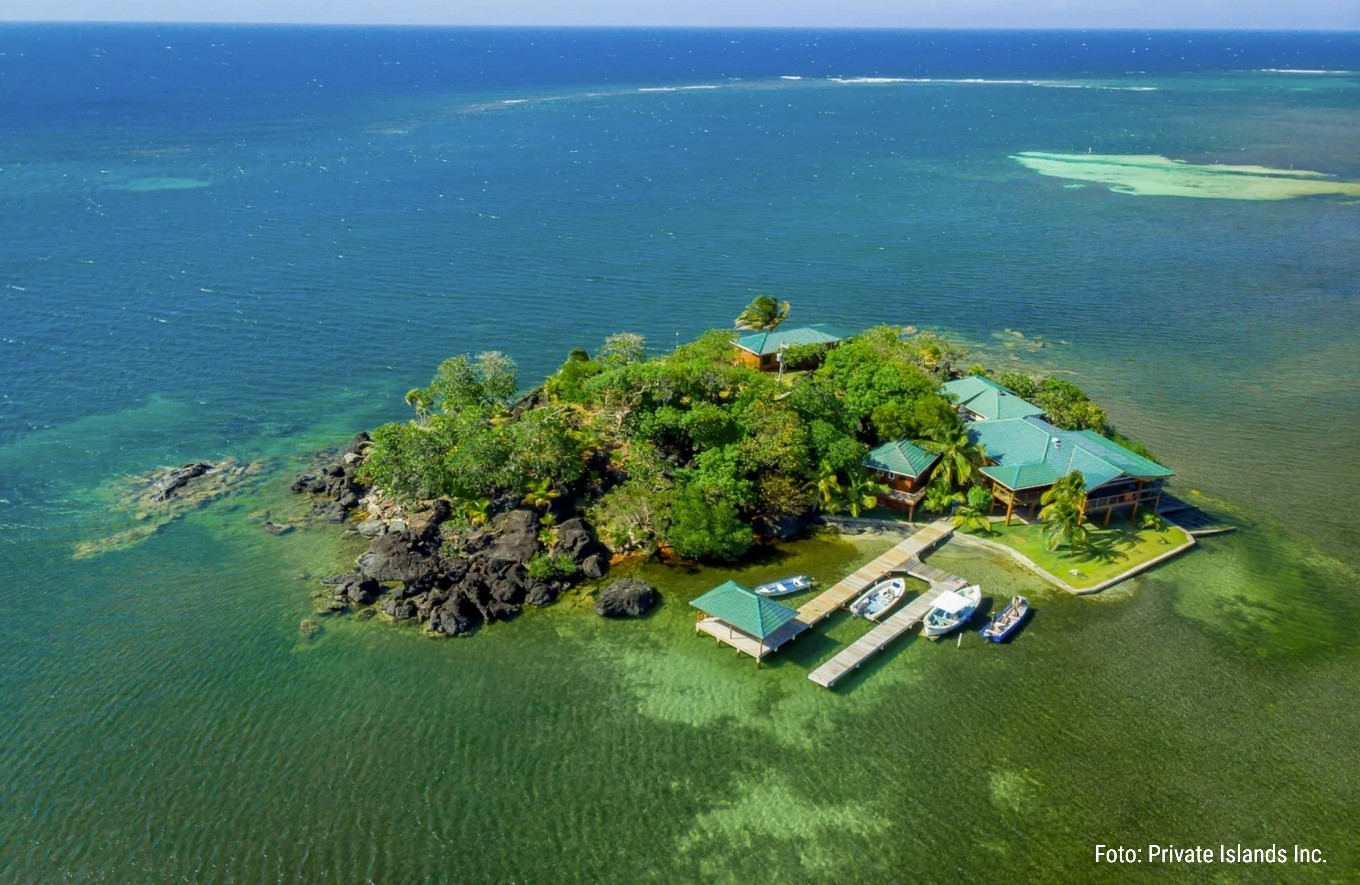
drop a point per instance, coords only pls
(987, 399)
(766, 343)
(734, 604)
(901, 457)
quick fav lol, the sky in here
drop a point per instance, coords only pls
(1209, 14)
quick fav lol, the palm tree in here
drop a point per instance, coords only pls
(958, 453)
(476, 511)
(861, 491)
(940, 496)
(829, 486)
(763, 314)
(419, 399)
(540, 493)
(1070, 488)
(1063, 512)
(1062, 524)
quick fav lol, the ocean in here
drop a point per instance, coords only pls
(249, 242)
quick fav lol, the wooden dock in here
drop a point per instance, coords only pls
(843, 592)
(904, 558)
(746, 643)
(856, 653)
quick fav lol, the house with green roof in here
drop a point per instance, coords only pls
(981, 399)
(1028, 455)
(745, 620)
(904, 467)
(762, 350)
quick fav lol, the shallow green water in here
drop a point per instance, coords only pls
(162, 717)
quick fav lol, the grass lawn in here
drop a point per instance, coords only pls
(1113, 551)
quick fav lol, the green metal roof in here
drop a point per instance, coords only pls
(744, 610)
(901, 457)
(987, 399)
(1031, 453)
(765, 343)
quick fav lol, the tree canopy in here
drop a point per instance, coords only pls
(689, 450)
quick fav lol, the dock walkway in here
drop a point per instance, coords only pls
(840, 594)
(904, 558)
(856, 653)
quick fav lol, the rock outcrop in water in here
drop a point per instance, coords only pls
(156, 499)
(626, 598)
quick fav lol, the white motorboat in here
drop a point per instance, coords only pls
(952, 608)
(875, 602)
(785, 586)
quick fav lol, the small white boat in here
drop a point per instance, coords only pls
(876, 601)
(952, 608)
(785, 586)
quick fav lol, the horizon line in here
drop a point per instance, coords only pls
(687, 27)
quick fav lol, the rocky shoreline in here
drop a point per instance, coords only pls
(450, 578)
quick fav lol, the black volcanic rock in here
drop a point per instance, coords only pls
(626, 598)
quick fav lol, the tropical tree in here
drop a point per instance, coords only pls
(763, 314)
(829, 486)
(959, 454)
(705, 527)
(1070, 488)
(623, 348)
(858, 492)
(421, 401)
(940, 495)
(861, 492)
(972, 516)
(1062, 524)
(1062, 512)
(634, 516)
(540, 493)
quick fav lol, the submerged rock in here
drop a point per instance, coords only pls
(626, 598)
(156, 499)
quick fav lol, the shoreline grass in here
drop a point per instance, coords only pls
(1114, 553)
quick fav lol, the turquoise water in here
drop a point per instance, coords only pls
(253, 242)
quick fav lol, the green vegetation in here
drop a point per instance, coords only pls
(1109, 552)
(1067, 406)
(545, 567)
(763, 314)
(1062, 513)
(690, 451)
(972, 516)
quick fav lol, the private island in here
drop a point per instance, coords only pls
(487, 501)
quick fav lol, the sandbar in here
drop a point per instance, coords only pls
(1151, 175)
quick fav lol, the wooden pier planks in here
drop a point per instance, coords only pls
(841, 593)
(905, 557)
(745, 642)
(857, 652)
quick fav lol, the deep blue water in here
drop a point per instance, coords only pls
(251, 241)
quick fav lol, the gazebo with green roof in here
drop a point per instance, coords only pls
(754, 624)
(904, 467)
